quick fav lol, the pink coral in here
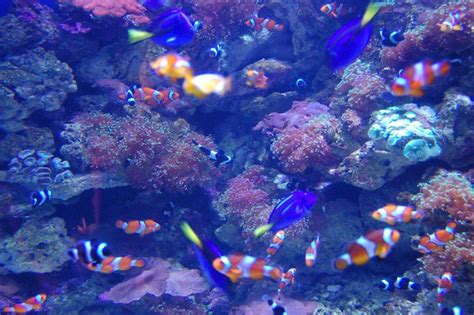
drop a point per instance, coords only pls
(450, 192)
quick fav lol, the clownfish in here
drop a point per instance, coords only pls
(259, 23)
(277, 309)
(392, 214)
(399, 283)
(376, 243)
(390, 39)
(277, 242)
(337, 9)
(236, 266)
(34, 303)
(216, 51)
(172, 66)
(88, 252)
(219, 157)
(39, 197)
(452, 23)
(445, 284)
(436, 241)
(256, 79)
(414, 78)
(138, 227)
(112, 263)
(150, 96)
(204, 85)
(312, 252)
(288, 278)
(329, 9)
(301, 83)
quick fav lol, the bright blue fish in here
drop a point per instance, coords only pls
(287, 211)
(347, 43)
(5, 6)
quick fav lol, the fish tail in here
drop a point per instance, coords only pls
(262, 230)
(370, 13)
(136, 36)
(139, 263)
(119, 224)
(190, 234)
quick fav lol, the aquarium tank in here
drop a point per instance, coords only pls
(284, 157)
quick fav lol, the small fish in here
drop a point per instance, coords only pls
(452, 23)
(150, 96)
(170, 29)
(206, 84)
(88, 252)
(236, 266)
(445, 284)
(413, 79)
(206, 252)
(256, 79)
(277, 309)
(312, 252)
(112, 264)
(455, 310)
(277, 242)
(376, 243)
(282, 181)
(260, 23)
(390, 39)
(172, 66)
(392, 214)
(34, 303)
(435, 242)
(329, 9)
(399, 283)
(216, 51)
(301, 83)
(218, 157)
(289, 210)
(347, 43)
(197, 25)
(138, 227)
(39, 197)
(288, 278)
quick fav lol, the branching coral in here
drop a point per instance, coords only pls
(450, 192)
(153, 153)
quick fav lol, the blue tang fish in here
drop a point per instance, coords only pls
(347, 43)
(289, 210)
(207, 252)
(170, 29)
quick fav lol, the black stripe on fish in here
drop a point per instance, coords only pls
(277, 309)
(89, 252)
(131, 94)
(39, 197)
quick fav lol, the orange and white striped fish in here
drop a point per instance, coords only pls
(149, 96)
(288, 278)
(34, 303)
(392, 214)
(112, 264)
(414, 78)
(312, 252)
(172, 66)
(277, 242)
(236, 266)
(445, 284)
(260, 23)
(376, 243)
(436, 241)
(138, 227)
(256, 79)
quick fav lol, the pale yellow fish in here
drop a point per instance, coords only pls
(205, 84)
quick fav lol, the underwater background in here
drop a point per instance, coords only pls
(236, 157)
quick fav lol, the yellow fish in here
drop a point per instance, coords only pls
(205, 84)
(173, 67)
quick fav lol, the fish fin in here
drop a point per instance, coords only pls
(190, 234)
(135, 36)
(262, 230)
(370, 13)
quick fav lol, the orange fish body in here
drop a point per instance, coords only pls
(452, 23)
(149, 96)
(111, 264)
(376, 243)
(34, 303)
(256, 79)
(312, 252)
(138, 227)
(172, 66)
(436, 241)
(259, 24)
(277, 242)
(329, 9)
(414, 78)
(392, 214)
(238, 266)
(288, 278)
(445, 284)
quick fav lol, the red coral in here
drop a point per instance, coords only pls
(450, 192)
